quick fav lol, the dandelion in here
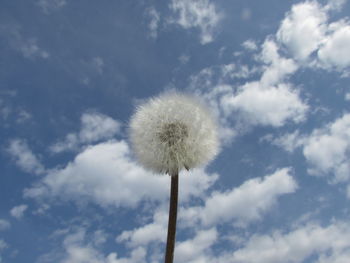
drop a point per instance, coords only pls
(170, 133)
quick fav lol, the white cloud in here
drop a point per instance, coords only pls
(154, 20)
(240, 205)
(328, 244)
(249, 201)
(290, 141)
(197, 13)
(335, 49)
(303, 29)
(250, 45)
(193, 250)
(4, 224)
(277, 68)
(107, 175)
(268, 101)
(48, 6)
(94, 127)
(78, 246)
(265, 106)
(18, 211)
(306, 30)
(24, 157)
(97, 126)
(327, 150)
(152, 232)
(136, 256)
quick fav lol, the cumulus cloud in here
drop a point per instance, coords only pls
(265, 106)
(18, 211)
(194, 250)
(268, 101)
(241, 206)
(335, 49)
(276, 68)
(249, 201)
(327, 150)
(328, 244)
(107, 175)
(24, 157)
(312, 40)
(200, 14)
(303, 29)
(94, 127)
(152, 232)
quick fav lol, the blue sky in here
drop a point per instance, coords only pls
(274, 73)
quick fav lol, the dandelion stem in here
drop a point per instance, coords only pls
(169, 254)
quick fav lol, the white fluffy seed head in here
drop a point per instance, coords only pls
(172, 132)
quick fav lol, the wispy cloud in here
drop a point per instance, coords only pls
(24, 157)
(94, 127)
(18, 211)
(27, 46)
(153, 17)
(49, 6)
(4, 225)
(200, 14)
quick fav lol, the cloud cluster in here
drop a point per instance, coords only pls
(329, 244)
(240, 206)
(107, 174)
(269, 100)
(326, 149)
(312, 39)
(305, 38)
(80, 246)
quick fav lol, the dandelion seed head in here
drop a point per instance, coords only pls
(173, 132)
